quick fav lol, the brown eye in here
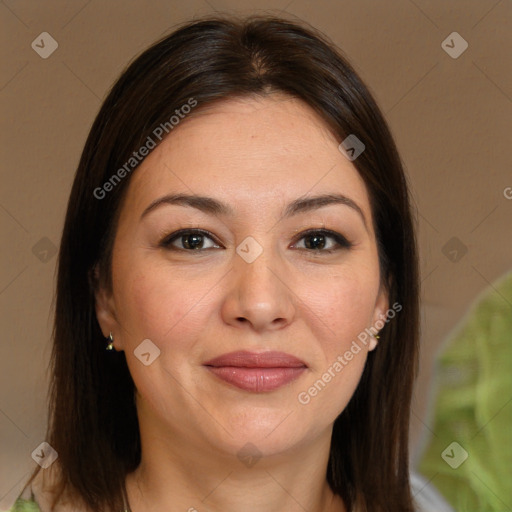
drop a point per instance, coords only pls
(189, 240)
(192, 240)
(318, 241)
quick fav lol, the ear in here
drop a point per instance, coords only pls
(105, 309)
(379, 313)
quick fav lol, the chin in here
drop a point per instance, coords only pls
(271, 431)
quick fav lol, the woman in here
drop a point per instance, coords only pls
(239, 232)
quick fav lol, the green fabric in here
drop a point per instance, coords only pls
(22, 505)
(474, 409)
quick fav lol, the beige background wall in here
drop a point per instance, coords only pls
(451, 119)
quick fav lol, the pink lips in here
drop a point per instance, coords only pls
(257, 372)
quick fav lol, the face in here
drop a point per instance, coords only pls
(255, 274)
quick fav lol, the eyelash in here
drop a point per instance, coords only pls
(342, 242)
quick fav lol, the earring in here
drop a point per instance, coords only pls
(110, 345)
(373, 342)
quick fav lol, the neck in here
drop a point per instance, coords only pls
(178, 471)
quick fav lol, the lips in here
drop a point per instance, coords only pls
(244, 359)
(256, 372)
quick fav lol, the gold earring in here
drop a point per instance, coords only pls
(377, 337)
(110, 345)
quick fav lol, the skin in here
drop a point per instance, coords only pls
(256, 155)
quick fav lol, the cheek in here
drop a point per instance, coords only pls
(342, 309)
(343, 304)
(155, 304)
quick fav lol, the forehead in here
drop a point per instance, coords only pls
(249, 151)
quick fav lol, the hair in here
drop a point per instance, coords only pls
(92, 415)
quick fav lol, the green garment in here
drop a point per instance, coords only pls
(22, 505)
(473, 409)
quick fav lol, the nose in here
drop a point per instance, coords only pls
(259, 295)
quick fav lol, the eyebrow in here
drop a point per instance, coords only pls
(214, 207)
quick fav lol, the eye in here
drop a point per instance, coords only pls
(317, 240)
(189, 240)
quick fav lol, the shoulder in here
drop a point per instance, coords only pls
(38, 495)
(25, 505)
(25, 502)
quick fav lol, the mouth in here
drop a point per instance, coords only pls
(256, 372)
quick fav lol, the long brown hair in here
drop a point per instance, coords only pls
(93, 422)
